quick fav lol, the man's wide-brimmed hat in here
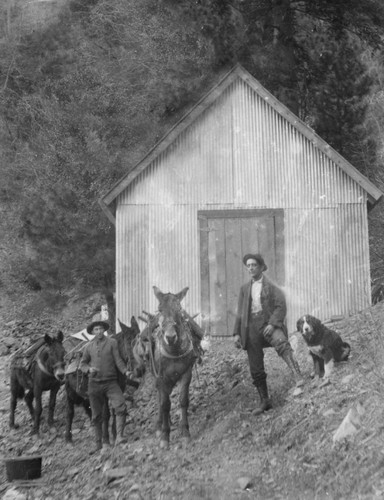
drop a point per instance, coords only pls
(104, 324)
(257, 257)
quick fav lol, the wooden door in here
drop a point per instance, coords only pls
(225, 237)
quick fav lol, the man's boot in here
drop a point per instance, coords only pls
(120, 426)
(265, 402)
(98, 438)
(293, 365)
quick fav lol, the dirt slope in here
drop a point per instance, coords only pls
(287, 453)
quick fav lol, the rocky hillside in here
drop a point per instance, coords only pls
(30, 15)
(290, 452)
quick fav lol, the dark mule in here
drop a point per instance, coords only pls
(76, 382)
(44, 372)
(171, 344)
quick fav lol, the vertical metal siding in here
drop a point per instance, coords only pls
(132, 282)
(196, 167)
(160, 248)
(267, 148)
(240, 153)
(327, 270)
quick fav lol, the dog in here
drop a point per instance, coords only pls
(325, 345)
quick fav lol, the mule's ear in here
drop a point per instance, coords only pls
(182, 294)
(60, 336)
(123, 327)
(158, 293)
(135, 324)
(48, 339)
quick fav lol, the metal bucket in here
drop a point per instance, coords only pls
(23, 468)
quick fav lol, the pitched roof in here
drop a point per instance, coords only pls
(107, 201)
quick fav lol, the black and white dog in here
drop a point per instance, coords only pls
(325, 345)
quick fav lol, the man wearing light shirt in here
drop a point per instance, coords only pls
(260, 323)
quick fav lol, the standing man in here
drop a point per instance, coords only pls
(101, 360)
(260, 323)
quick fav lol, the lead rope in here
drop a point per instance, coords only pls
(197, 351)
(152, 359)
(155, 372)
(78, 371)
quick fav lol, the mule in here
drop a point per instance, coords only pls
(171, 346)
(76, 383)
(44, 372)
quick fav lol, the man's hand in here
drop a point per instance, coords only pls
(268, 329)
(92, 370)
(129, 374)
(237, 342)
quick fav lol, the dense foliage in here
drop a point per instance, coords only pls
(83, 97)
(81, 101)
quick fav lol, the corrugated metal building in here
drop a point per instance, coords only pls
(241, 173)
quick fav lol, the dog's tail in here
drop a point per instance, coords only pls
(345, 351)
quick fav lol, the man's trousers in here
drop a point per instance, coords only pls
(257, 341)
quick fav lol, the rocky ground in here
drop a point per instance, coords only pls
(287, 453)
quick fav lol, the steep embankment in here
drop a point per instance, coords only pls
(287, 453)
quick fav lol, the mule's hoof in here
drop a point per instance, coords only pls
(164, 445)
(14, 426)
(185, 441)
(121, 440)
(95, 450)
(297, 391)
(324, 382)
(300, 382)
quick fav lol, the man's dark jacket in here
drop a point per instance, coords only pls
(272, 303)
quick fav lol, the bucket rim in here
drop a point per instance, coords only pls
(22, 458)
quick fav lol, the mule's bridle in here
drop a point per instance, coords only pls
(42, 367)
(157, 329)
(166, 354)
(159, 344)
